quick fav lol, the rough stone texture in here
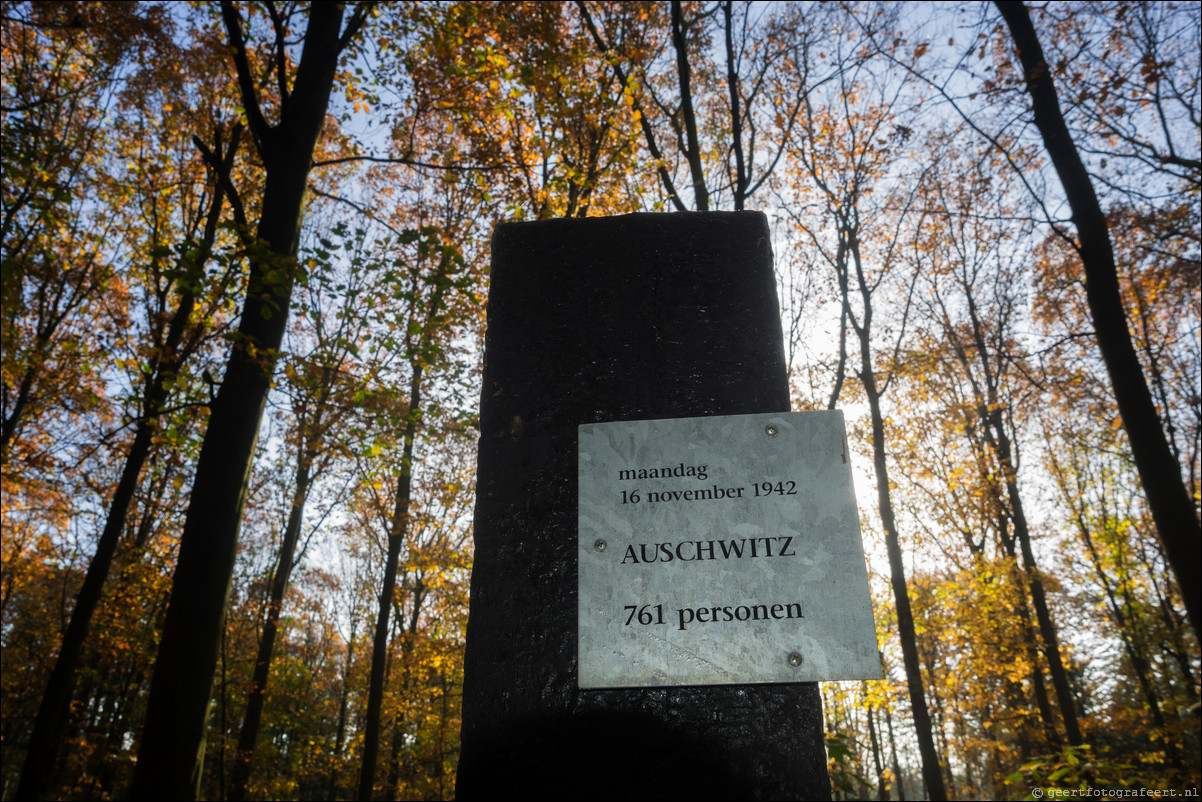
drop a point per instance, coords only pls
(625, 318)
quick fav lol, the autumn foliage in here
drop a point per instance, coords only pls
(245, 252)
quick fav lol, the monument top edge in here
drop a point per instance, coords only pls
(785, 414)
(636, 218)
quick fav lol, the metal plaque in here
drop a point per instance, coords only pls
(722, 550)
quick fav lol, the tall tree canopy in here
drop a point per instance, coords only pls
(245, 251)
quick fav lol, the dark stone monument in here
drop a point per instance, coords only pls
(610, 319)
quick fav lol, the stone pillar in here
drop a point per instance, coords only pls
(608, 319)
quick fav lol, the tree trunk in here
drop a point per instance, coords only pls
(53, 711)
(1038, 687)
(398, 529)
(171, 755)
(1000, 453)
(692, 149)
(1047, 629)
(937, 725)
(271, 622)
(644, 123)
(343, 703)
(396, 535)
(741, 178)
(897, 772)
(849, 247)
(999, 444)
(1126, 629)
(931, 771)
(881, 793)
(1168, 499)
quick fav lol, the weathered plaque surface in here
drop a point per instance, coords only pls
(721, 550)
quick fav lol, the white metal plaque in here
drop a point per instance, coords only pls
(721, 550)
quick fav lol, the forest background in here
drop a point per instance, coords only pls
(245, 256)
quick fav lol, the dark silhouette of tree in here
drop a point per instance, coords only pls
(172, 749)
(1160, 473)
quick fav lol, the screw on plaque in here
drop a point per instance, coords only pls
(770, 430)
(600, 545)
(794, 659)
